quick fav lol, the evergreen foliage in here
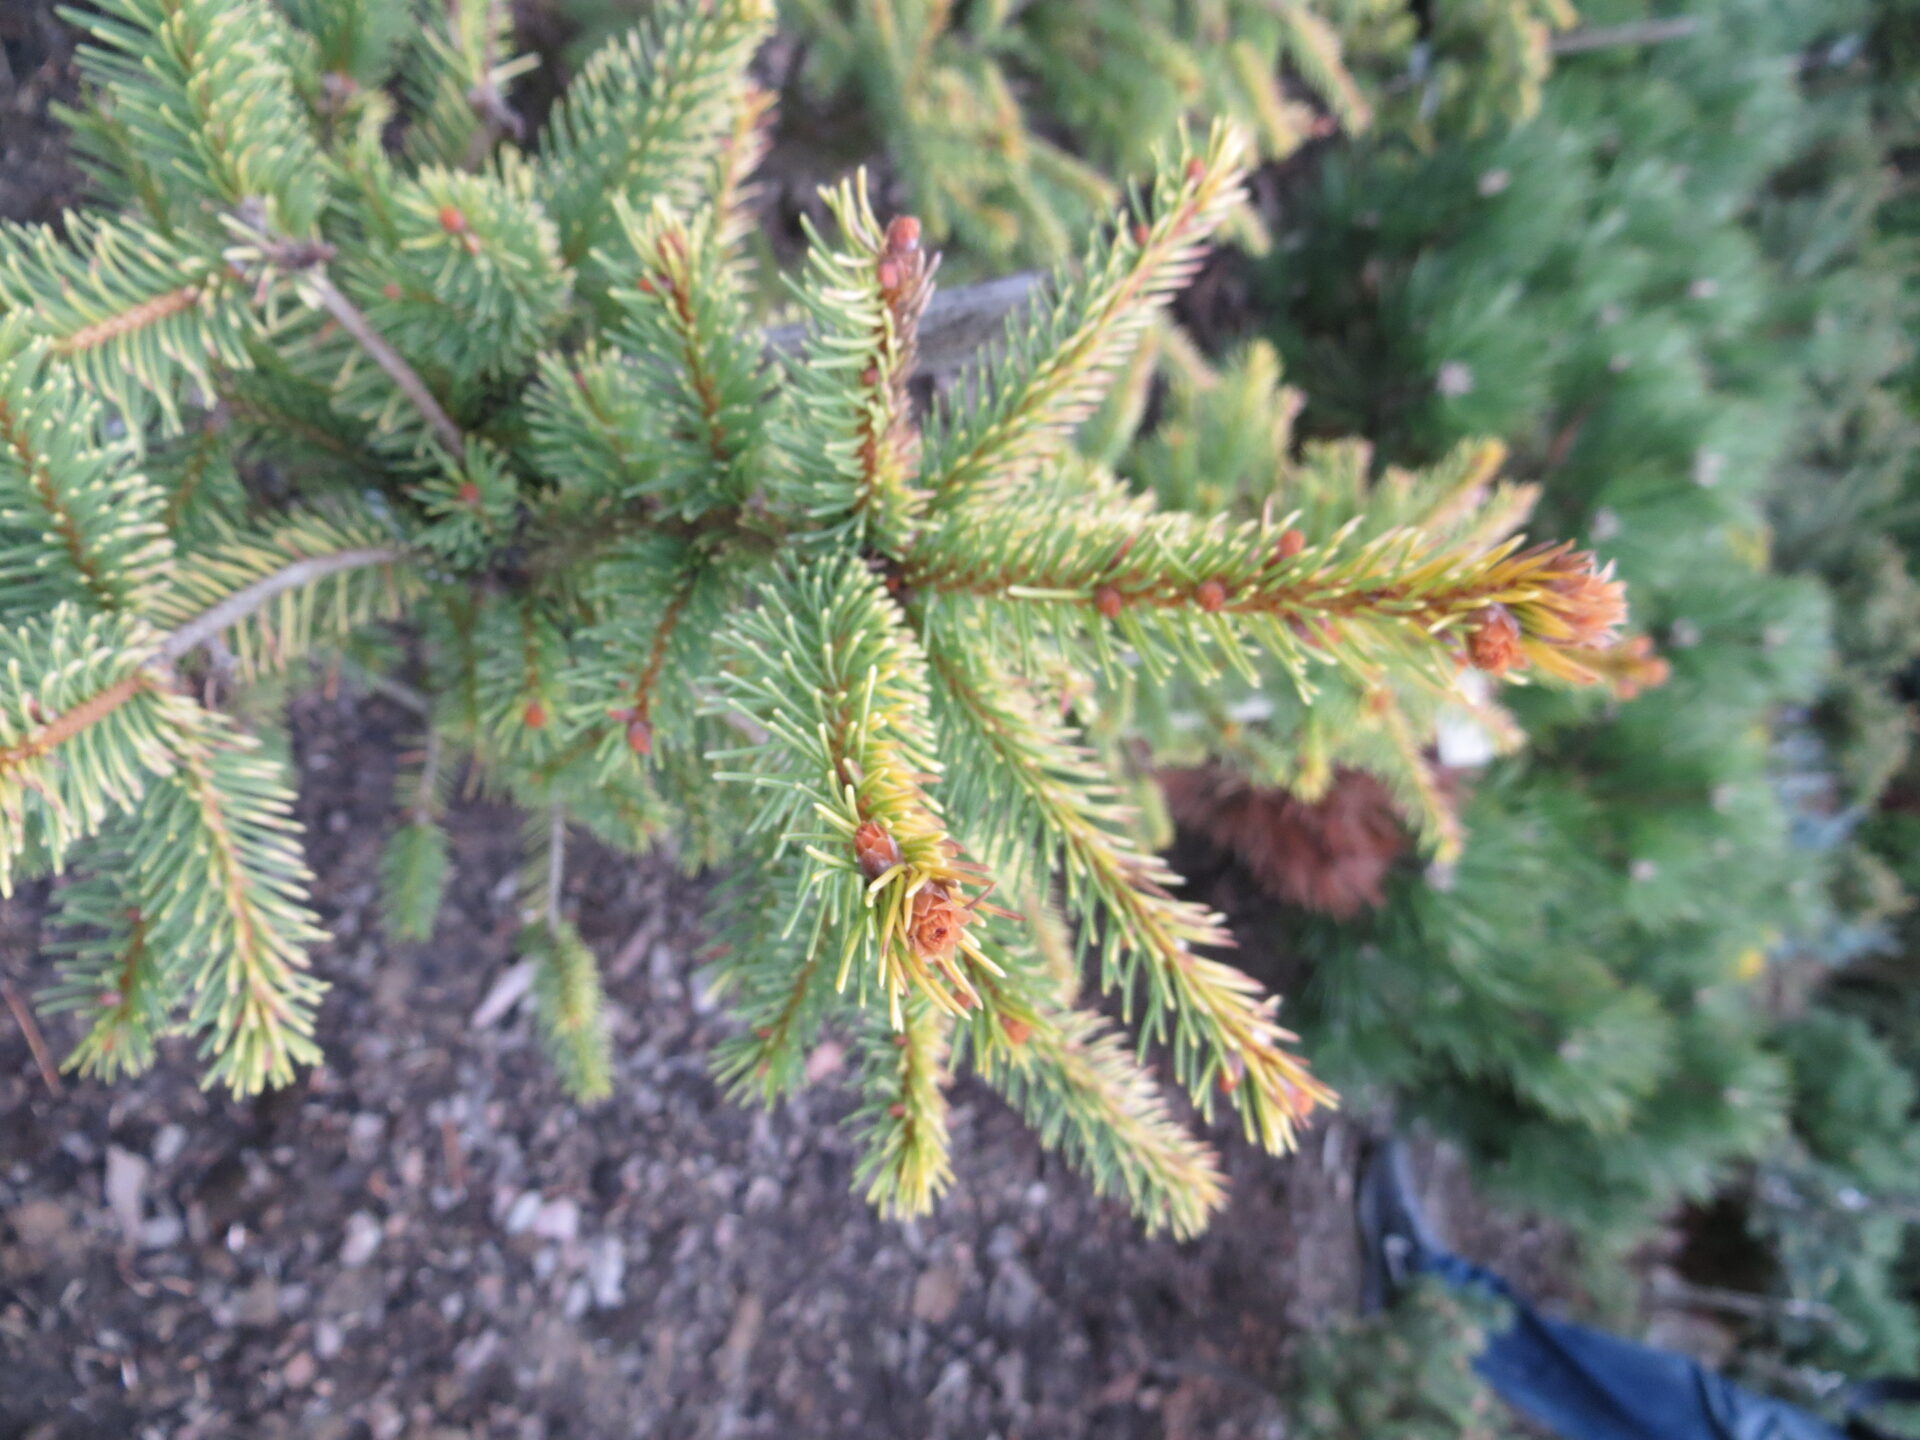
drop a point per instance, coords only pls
(1404, 1374)
(1574, 999)
(1006, 122)
(314, 375)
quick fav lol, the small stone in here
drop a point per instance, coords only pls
(763, 1193)
(557, 1220)
(328, 1339)
(169, 1143)
(520, 1214)
(363, 1239)
(162, 1232)
(126, 1185)
(607, 1271)
(300, 1371)
(579, 1296)
(39, 1223)
(1014, 1295)
(364, 1134)
(936, 1294)
(259, 1303)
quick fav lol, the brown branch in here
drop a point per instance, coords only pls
(388, 359)
(65, 726)
(14, 433)
(1640, 32)
(242, 603)
(148, 312)
(657, 655)
(35, 1041)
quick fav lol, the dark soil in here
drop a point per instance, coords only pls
(425, 1238)
(37, 180)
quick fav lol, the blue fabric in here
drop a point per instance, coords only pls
(1587, 1385)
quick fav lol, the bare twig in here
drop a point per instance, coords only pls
(957, 323)
(388, 359)
(36, 1042)
(242, 603)
(1639, 32)
(400, 693)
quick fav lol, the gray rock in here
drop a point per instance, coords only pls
(363, 1239)
(607, 1271)
(557, 1220)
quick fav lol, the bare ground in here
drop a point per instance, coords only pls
(424, 1238)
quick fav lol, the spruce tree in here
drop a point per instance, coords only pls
(331, 368)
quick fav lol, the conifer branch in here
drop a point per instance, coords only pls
(131, 309)
(203, 90)
(647, 115)
(1077, 1084)
(1022, 406)
(222, 813)
(706, 400)
(77, 521)
(109, 970)
(351, 320)
(243, 603)
(902, 1122)
(457, 80)
(838, 686)
(80, 729)
(1173, 584)
(856, 446)
(1050, 801)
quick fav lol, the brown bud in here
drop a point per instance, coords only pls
(876, 849)
(452, 220)
(391, 290)
(889, 275)
(1212, 596)
(646, 285)
(469, 493)
(897, 1110)
(1109, 602)
(936, 922)
(1016, 1030)
(1292, 542)
(1493, 644)
(870, 376)
(536, 715)
(1196, 168)
(1141, 233)
(903, 234)
(640, 736)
